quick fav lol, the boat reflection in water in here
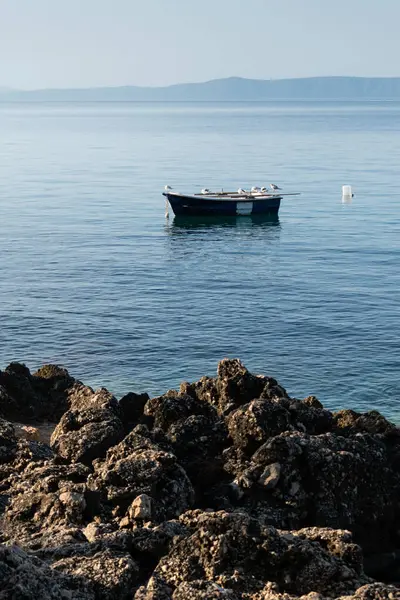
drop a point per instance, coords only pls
(202, 242)
(181, 225)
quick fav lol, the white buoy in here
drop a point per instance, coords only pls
(346, 191)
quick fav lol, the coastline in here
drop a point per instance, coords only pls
(226, 487)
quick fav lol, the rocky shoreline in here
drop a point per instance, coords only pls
(226, 488)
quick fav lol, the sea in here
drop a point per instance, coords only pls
(95, 278)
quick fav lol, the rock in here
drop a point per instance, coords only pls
(15, 456)
(227, 488)
(375, 591)
(383, 565)
(8, 442)
(349, 422)
(233, 387)
(26, 577)
(54, 382)
(308, 415)
(235, 552)
(270, 476)
(330, 481)
(132, 406)
(203, 590)
(47, 505)
(19, 399)
(173, 408)
(30, 433)
(195, 434)
(156, 589)
(141, 508)
(83, 397)
(34, 398)
(87, 430)
(253, 424)
(367, 592)
(139, 466)
(112, 575)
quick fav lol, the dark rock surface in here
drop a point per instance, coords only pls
(226, 488)
(89, 427)
(33, 398)
(139, 467)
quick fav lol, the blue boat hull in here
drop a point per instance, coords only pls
(202, 206)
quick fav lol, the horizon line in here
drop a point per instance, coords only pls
(6, 89)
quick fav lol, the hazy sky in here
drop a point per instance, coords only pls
(82, 43)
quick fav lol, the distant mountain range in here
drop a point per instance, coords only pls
(230, 89)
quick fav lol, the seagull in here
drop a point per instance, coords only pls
(241, 191)
(264, 189)
(274, 187)
(167, 188)
(205, 191)
(255, 190)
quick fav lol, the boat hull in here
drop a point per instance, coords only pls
(229, 207)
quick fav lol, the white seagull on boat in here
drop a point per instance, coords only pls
(274, 187)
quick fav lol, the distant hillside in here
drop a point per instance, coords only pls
(231, 89)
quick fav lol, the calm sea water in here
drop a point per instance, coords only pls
(94, 278)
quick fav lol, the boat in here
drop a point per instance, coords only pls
(257, 201)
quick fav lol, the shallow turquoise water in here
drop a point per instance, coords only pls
(94, 278)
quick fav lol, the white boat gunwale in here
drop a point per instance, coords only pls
(229, 196)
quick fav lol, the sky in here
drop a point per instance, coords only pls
(86, 43)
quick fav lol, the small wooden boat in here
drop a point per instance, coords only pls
(257, 201)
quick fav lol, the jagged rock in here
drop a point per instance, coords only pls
(297, 485)
(47, 505)
(19, 399)
(30, 433)
(15, 456)
(25, 577)
(349, 422)
(331, 481)
(138, 466)
(87, 430)
(54, 382)
(112, 575)
(236, 552)
(146, 544)
(83, 397)
(8, 406)
(34, 398)
(233, 387)
(308, 415)
(270, 476)
(8, 442)
(253, 424)
(132, 406)
(203, 590)
(173, 408)
(196, 435)
(368, 592)
(375, 591)
(156, 589)
(141, 508)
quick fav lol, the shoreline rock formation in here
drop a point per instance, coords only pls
(225, 488)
